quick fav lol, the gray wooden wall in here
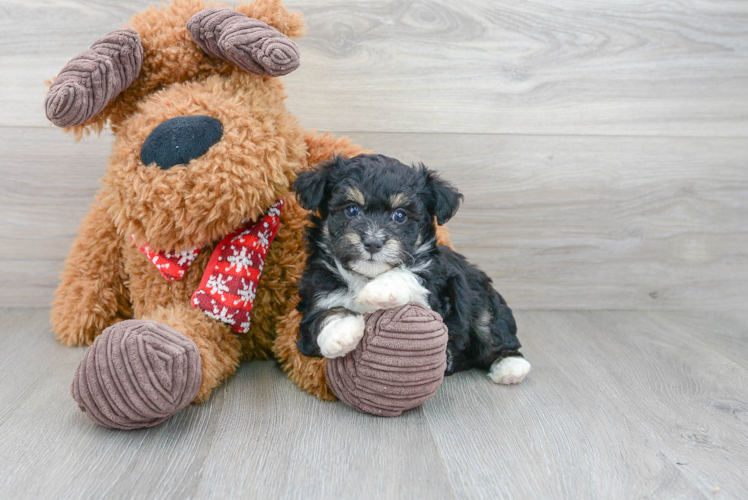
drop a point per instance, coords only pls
(601, 146)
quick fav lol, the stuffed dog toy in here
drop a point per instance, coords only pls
(188, 261)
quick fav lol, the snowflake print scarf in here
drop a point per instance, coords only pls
(229, 283)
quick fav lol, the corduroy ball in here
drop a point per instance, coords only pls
(137, 374)
(398, 364)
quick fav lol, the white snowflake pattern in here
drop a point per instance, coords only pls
(161, 260)
(263, 239)
(246, 293)
(220, 313)
(185, 257)
(155, 260)
(217, 284)
(240, 260)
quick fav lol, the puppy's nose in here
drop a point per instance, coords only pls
(179, 140)
(373, 244)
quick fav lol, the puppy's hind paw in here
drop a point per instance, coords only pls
(511, 370)
(340, 335)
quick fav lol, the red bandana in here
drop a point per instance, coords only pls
(229, 284)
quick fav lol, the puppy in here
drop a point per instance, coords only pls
(373, 246)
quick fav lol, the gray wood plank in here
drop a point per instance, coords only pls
(277, 442)
(680, 396)
(524, 67)
(558, 222)
(49, 181)
(725, 332)
(470, 66)
(24, 336)
(618, 405)
(557, 435)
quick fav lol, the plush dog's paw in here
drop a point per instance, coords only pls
(340, 335)
(511, 370)
(137, 374)
(380, 294)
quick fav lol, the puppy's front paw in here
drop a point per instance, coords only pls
(382, 295)
(340, 335)
(511, 370)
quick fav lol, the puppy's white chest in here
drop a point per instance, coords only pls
(342, 298)
(345, 297)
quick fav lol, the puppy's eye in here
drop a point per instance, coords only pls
(399, 216)
(352, 210)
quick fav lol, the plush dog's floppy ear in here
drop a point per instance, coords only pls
(442, 198)
(251, 44)
(94, 78)
(311, 185)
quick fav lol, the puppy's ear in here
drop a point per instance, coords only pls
(312, 185)
(442, 198)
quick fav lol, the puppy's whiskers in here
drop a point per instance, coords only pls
(410, 255)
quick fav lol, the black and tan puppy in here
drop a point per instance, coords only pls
(373, 246)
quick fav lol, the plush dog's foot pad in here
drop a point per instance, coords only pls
(137, 374)
(398, 364)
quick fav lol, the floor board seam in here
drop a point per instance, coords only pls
(488, 134)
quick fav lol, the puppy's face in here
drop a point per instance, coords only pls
(376, 213)
(371, 229)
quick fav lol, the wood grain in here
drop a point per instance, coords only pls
(618, 405)
(726, 332)
(637, 67)
(558, 222)
(469, 66)
(319, 450)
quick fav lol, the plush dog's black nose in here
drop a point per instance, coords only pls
(179, 140)
(373, 244)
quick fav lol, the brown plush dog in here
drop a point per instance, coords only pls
(203, 146)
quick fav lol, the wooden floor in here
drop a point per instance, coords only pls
(618, 405)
